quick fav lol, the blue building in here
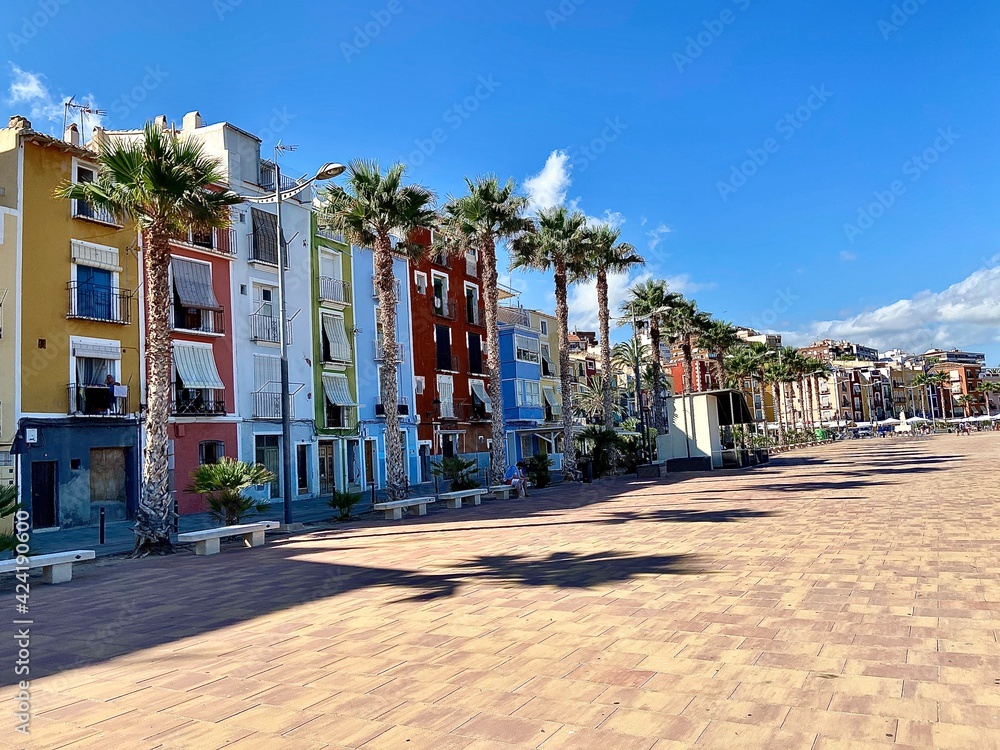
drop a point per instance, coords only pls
(366, 456)
(521, 384)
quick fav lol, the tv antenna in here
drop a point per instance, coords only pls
(72, 106)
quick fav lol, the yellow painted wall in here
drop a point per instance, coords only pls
(48, 229)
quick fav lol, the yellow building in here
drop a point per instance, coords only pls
(548, 337)
(70, 336)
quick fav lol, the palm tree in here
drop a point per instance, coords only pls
(591, 402)
(607, 255)
(931, 381)
(684, 323)
(373, 210)
(649, 302)
(224, 483)
(987, 387)
(778, 374)
(488, 214)
(814, 369)
(718, 338)
(166, 185)
(558, 243)
(967, 401)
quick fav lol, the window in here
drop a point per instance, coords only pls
(442, 337)
(6, 459)
(302, 467)
(476, 364)
(526, 349)
(529, 393)
(420, 281)
(446, 395)
(336, 347)
(590, 365)
(210, 451)
(195, 305)
(419, 384)
(543, 326)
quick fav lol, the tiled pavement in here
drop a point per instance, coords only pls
(844, 597)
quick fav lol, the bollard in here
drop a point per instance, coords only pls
(436, 490)
(373, 493)
(177, 515)
(102, 522)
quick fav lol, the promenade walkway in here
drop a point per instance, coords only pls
(846, 596)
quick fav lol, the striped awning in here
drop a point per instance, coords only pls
(95, 256)
(97, 351)
(479, 389)
(265, 229)
(337, 389)
(193, 284)
(336, 334)
(550, 395)
(195, 366)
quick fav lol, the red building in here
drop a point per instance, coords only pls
(449, 357)
(203, 422)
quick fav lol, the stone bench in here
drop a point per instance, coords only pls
(394, 510)
(206, 542)
(502, 491)
(57, 567)
(455, 499)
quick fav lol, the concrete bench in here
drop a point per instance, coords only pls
(502, 491)
(455, 499)
(206, 542)
(57, 567)
(394, 510)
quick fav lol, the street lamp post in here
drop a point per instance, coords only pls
(326, 172)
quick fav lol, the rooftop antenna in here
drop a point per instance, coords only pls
(84, 109)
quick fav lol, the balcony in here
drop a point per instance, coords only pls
(267, 328)
(333, 290)
(83, 210)
(268, 172)
(205, 402)
(447, 410)
(99, 400)
(514, 316)
(397, 287)
(267, 405)
(444, 307)
(475, 315)
(198, 320)
(329, 234)
(264, 250)
(404, 408)
(400, 351)
(341, 417)
(221, 241)
(108, 304)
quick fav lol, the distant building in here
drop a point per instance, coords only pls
(829, 350)
(954, 355)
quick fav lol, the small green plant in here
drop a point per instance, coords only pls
(459, 473)
(343, 503)
(8, 506)
(603, 445)
(538, 470)
(223, 484)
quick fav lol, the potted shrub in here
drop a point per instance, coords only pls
(343, 503)
(537, 468)
(458, 472)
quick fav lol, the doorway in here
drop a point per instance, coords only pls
(327, 471)
(354, 464)
(369, 462)
(268, 455)
(108, 477)
(43, 494)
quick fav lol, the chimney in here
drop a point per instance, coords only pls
(161, 122)
(191, 121)
(19, 122)
(98, 136)
(72, 135)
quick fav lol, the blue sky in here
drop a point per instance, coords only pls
(810, 168)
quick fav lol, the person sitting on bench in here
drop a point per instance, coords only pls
(517, 479)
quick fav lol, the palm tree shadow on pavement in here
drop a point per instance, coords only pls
(164, 600)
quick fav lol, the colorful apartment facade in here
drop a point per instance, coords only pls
(70, 336)
(453, 407)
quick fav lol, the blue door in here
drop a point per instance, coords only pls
(93, 293)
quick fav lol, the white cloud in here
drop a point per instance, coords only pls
(847, 255)
(656, 236)
(28, 89)
(963, 315)
(548, 188)
(643, 221)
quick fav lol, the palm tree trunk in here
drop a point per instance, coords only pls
(657, 400)
(153, 515)
(604, 315)
(498, 452)
(385, 288)
(562, 320)
(776, 395)
(720, 367)
(688, 364)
